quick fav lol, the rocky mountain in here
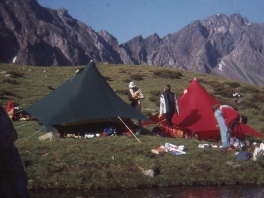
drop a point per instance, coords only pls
(44, 37)
(229, 46)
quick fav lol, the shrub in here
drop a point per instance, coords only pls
(250, 104)
(250, 89)
(122, 91)
(233, 84)
(50, 87)
(262, 112)
(108, 78)
(15, 74)
(221, 90)
(155, 99)
(200, 80)
(257, 98)
(214, 84)
(168, 74)
(4, 92)
(136, 77)
(10, 81)
(147, 113)
(155, 93)
(122, 71)
(4, 98)
(126, 80)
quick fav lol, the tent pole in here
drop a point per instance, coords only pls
(128, 128)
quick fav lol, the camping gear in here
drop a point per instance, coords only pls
(85, 98)
(197, 115)
(88, 135)
(243, 156)
(175, 150)
(11, 109)
(158, 150)
(203, 145)
(109, 131)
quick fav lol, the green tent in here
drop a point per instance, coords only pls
(85, 98)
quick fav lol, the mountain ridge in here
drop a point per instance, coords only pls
(229, 46)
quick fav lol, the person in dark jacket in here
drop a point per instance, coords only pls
(169, 106)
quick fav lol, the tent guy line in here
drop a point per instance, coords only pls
(129, 129)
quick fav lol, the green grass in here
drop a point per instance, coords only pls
(116, 162)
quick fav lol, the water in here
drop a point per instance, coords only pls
(174, 192)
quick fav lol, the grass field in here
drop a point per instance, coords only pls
(118, 161)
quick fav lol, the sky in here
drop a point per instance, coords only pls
(126, 19)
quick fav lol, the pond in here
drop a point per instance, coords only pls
(175, 192)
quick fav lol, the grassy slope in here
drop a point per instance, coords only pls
(114, 162)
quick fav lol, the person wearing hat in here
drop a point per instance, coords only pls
(134, 96)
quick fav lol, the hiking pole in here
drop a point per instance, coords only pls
(128, 128)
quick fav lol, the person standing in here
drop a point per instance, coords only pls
(135, 95)
(226, 118)
(222, 126)
(231, 117)
(169, 106)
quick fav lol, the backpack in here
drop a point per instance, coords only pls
(109, 131)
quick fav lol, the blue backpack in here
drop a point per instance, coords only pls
(109, 131)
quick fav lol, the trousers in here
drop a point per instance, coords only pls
(223, 129)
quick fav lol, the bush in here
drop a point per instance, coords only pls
(122, 71)
(10, 81)
(4, 92)
(122, 91)
(233, 84)
(147, 113)
(4, 98)
(214, 84)
(257, 98)
(136, 77)
(168, 74)
(15, 74)
(251, 105)
(50, 87)
(127, 80)
(155, 93)
(250, 89)
(262, 112)
(155, 99)
(221, 90)
(108, 78)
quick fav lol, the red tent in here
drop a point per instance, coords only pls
(196, 114)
